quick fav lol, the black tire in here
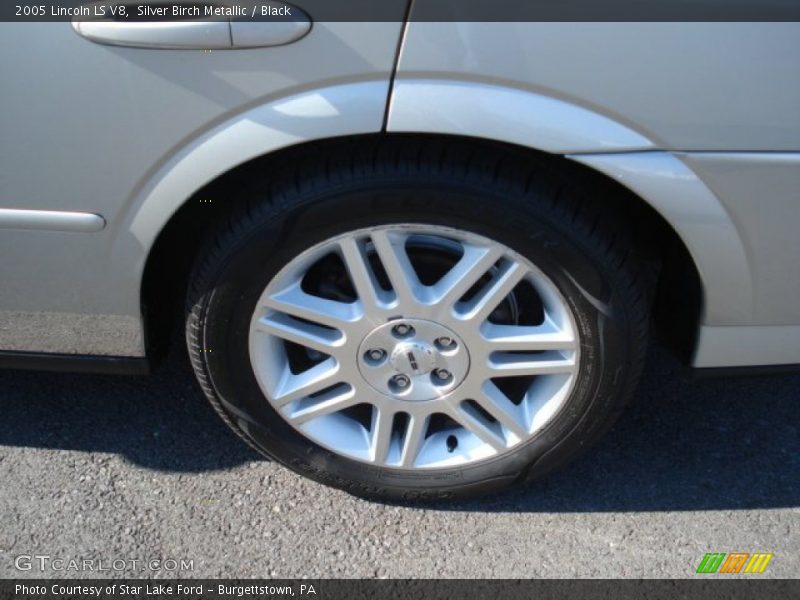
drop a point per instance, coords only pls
(529, 204)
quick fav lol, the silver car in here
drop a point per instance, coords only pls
(412, 259)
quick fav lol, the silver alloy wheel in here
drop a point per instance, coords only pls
(411, 371)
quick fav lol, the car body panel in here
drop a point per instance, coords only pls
(711, 140)
(495, 112)
(684, 86)
(761, 193)
(703, 224)
(738, 216)
(747, 346)
(126, 133)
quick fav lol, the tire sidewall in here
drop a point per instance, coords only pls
(572, 261)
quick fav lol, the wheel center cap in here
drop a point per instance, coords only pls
(413, 359)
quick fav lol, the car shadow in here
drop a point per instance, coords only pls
(160, 422)
(684, 444)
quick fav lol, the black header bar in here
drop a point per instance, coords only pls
(422, 10)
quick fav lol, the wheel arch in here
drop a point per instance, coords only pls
(171, 255)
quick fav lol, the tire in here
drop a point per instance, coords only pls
(529, 206)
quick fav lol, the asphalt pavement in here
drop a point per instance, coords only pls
(139, 477)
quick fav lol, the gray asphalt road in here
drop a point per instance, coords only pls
(134, 469)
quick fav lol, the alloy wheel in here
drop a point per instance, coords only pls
(414, 346)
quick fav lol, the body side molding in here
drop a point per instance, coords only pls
(50, 220)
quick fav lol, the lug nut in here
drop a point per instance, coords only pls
(402, 329)
(401, 381)
(445, 342)
(443, 374)
(376, 354)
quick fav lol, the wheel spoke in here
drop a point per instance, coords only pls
(502, 284)
(303, 333)
(516, 338)
(521, 365)
(381, 438)
(327, 403)
(361, 273)
(475, 423)
(414, 438)
(294, 301)
(496, 403)
(473, 265)
(316, 379)
(392, 253)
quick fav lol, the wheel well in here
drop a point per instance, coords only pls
(676, 284)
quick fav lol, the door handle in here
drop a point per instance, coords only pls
(175, 35)
(255, 34)
(199, 34)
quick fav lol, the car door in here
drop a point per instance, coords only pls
(86, 125)
(687, 86)
(715, 103)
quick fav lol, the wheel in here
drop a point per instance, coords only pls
(404, 321)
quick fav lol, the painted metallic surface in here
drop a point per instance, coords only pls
(685, 86)
(612, 95)
(106, 145)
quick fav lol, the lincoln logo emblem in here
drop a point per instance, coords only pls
(412, 361)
